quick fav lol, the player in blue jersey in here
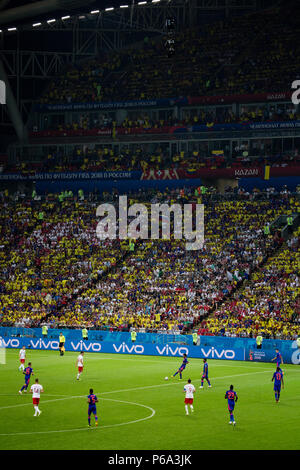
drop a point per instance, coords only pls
(92, 400)
(28, 372)
(182, 367)
(278, 381)
(205, 374)
(278, 357)
(232, 398)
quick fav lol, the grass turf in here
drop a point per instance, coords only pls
(139, 410)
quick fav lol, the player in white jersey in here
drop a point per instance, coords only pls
(189, 391)
(36, 390)
(80, 364)
(22, 357)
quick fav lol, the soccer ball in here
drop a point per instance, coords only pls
(166, 378)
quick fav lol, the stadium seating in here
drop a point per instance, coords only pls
(251, 55)
(55, 269)
(268, 303)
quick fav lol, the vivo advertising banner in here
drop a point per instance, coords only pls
(128, 348)
(291, 355)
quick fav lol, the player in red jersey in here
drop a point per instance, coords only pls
(189, 391)
(36, 390)
(22, 357)
(80, 364)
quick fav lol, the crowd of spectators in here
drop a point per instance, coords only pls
(55, 269)
(268, 304)
(143, 123)
(97, 157)
(255, 53)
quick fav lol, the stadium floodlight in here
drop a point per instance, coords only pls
(51, 21)
(123, 6)
(155, 1)
(81, 17)
(93, 12)
(65, 17)
(142, 3)
(109, 9)
(11, 29)
(37, 24)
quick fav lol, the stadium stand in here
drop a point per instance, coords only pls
(55, 269)
(236, 55)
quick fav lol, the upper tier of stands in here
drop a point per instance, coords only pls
(259, 52)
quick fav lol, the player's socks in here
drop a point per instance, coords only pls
(192, 408)
(186, 410)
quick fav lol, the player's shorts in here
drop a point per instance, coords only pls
(230, 406)
(80, 368)
(182, 368)
(277, 388)
(35, 401)
(188, 401)
(92, 409)
(205, 376)
(27, 380)
(22, 361)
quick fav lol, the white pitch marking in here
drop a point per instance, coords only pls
(85, 428)
(133, 389)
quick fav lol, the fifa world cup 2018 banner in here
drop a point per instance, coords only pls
(291, 355)
(182, 101)
(110, 105)
(73, 176)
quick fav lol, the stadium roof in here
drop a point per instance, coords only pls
(14, 13)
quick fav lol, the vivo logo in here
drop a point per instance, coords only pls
(212, 352)
(173, 351)
(82, 346)
(136, 348)
(2, 92)
(40, 344)
(13, 343)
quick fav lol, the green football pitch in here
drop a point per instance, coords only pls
(139, 410)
